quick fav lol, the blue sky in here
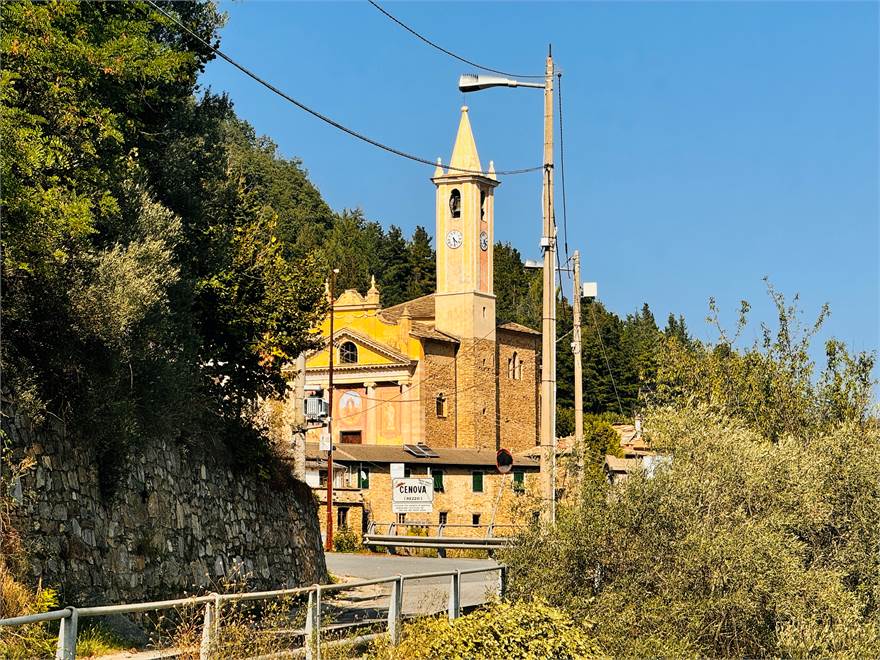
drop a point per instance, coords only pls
(707, 144)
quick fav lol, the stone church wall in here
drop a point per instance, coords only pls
(477, 394)
(518, 405)
(178, 523)
(439, 378)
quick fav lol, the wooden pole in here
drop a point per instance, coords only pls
(328, 544)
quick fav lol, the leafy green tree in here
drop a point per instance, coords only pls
(756, 534)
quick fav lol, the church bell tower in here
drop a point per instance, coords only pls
(465, 298)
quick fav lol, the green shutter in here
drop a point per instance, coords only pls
(364, 477)
(519, 478)
(477, 481)
(438, 480)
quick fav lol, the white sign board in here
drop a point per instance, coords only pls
(325, 442)
(412, 495)
(397, 470)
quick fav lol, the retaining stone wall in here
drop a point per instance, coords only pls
(178, 523)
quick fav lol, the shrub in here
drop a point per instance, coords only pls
(496, 632)
(346, 540)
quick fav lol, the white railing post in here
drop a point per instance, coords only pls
(313, 625)
(209, 631)
(455, 596)
(395, 610)
(67, 636)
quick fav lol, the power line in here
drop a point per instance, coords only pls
(562, 164)
(605, 355)
(322, 117)
(448, 52)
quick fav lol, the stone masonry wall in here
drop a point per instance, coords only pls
(518, 398)
(178, 523)
(440, 377)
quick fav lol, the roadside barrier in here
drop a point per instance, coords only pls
(69, 616)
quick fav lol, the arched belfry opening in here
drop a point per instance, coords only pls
(455, 203)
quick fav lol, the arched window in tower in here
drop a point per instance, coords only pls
(483, 205)
(511, 366)
(455, 203)
(348, 353)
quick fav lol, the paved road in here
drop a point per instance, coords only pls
(420, 596)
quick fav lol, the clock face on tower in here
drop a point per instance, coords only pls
(453, 239)
(484, 241)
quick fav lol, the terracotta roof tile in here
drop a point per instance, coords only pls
(397, 454)
(516, 327)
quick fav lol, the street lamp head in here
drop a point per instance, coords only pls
(473, 82)
(531, 264)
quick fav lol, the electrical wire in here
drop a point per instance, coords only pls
(448, 52)
(325, 118)
(562, 165)
(605, 355)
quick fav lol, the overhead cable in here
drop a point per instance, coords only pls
(562, 166)
(448, 52)
(325, 118)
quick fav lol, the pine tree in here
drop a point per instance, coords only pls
(393, 271)
(422, 269)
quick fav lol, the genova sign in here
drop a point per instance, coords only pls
(412, 495)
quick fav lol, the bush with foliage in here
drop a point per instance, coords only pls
(347, 540)
(758, 539)
(496, 632)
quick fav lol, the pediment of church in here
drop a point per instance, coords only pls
(368, 353)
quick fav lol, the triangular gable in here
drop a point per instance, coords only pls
(370, 353)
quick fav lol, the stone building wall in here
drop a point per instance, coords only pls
(178, 523)
(440, 377)
(518, 398)
(458, 498)
(477, 398)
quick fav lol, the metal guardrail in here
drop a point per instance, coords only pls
(439, 542)
(69, 616)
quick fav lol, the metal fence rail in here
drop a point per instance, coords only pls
(393, 539)
(69, 616)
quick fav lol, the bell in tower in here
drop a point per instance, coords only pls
(465, 299)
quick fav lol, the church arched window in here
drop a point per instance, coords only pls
(348, 353)
(483, 205)
(511, 367)
(455, 203)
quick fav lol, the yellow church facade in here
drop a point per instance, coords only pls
(437, 370)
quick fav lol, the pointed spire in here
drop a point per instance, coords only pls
(438, 171)
(491, 172)
(373, 288)
(464, 153)
(405, 314)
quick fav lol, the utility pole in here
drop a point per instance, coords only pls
(328, 544)
(548, 326)
(578, 368)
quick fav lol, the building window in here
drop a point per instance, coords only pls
(322, 478)
(444, 517)
(455, 203)
(514, 367)
(519, 480)
(407, 472)
(477, 481)
(438, 480)
(342, 517)
(348, 353)
(483, 205)
(401, 518)
(364, 478)
(441, 405)
(475, 519)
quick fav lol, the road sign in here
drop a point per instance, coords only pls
(397, 470)
(325, 442)
(504, 460)
(412, 495)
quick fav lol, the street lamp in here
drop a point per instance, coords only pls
(475, 83)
